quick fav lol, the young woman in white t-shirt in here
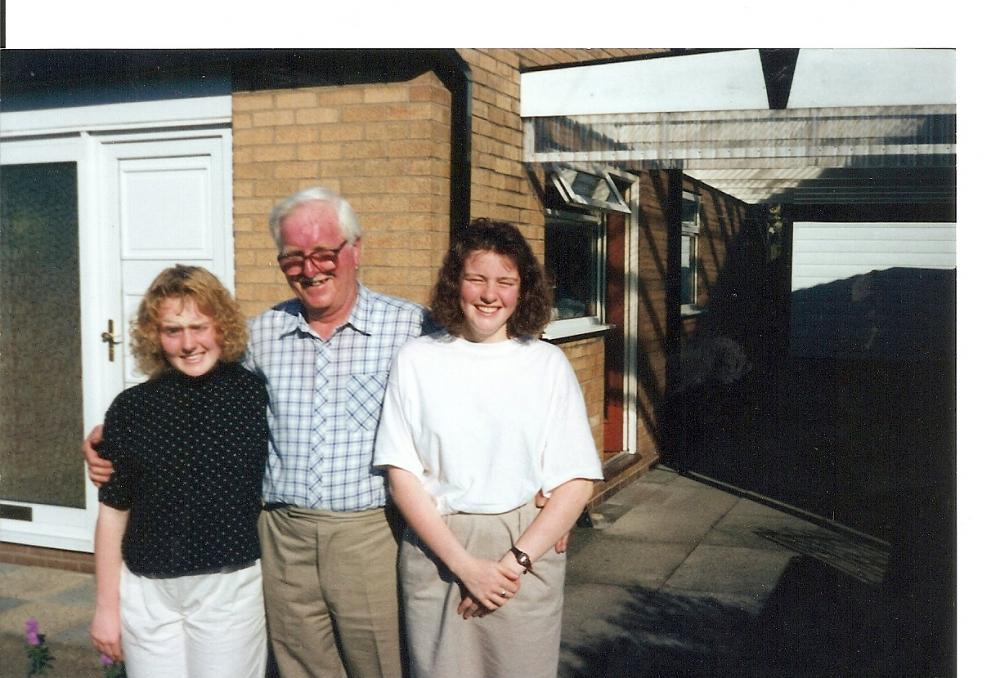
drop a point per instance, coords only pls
(478, 418)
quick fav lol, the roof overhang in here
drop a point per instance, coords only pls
(859, 127)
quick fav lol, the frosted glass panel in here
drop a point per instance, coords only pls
(41, 420)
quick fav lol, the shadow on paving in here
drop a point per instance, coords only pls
(818, 623)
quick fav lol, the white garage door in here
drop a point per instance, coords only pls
(881, 291)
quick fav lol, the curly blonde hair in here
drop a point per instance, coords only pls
(199, 285)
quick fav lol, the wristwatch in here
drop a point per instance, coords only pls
(521, 557)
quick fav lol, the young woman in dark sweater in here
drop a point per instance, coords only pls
(178, 575)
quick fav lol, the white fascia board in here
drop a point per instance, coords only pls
(147, 114)
(873, 77)
(700, 82)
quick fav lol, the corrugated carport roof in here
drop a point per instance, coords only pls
(859, 126)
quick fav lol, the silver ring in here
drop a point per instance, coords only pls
(503, 593)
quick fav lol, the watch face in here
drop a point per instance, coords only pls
(522, 558)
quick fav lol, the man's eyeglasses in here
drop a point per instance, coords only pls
(322, 258)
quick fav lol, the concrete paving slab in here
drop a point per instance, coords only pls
(749, 603)
(53, 618)
(749, 525)
(641, 632)
(728, 569)
(861, 558)
(626, 562)
(645, 488)
(659, 475)
(71, 661)
(81, 595)
(589, 606)
(681, 524)
(78, 634)
(30, 582)
(750, 507)
(686, 495)
(8, 603)
(676, 493)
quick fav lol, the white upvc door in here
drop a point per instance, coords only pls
(50, 290)
(144, 200)
(165, 202)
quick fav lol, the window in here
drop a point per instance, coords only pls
(588, 189)
(574, 259)
(578, 205)
(690, 226)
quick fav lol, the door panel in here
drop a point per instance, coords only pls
(166, 208)
(166, 200)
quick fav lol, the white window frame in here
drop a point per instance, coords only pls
(691, 229)
(564, 179)
(594, 321)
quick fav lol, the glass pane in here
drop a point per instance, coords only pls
(41, 410)
(571, 258)
(689, 211)
(688, 269)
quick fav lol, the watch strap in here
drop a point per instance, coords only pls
(521, 557)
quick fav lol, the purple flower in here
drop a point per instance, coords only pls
(32, 638)
(106, 660)
(31, 625)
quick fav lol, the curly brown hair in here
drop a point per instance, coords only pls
(534, 303)
(212, 299)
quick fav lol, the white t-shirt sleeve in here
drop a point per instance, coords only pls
(394, 444)
(569, 443)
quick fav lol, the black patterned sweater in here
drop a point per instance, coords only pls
(189, 455)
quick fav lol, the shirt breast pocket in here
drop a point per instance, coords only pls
(365, 393)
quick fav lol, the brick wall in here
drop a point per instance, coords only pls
(587, 358)
(37, 556)
(385, 147)
(655, 319)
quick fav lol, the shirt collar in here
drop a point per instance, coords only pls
(361, 315)
(359, 320)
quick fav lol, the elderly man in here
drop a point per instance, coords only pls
(328, 554)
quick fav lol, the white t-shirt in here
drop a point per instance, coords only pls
(485, 425)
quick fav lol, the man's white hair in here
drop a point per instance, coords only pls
(346, 219)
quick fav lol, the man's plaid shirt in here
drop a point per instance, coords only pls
(325, 398)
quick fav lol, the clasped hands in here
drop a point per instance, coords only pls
(488, 585)
(502, 579)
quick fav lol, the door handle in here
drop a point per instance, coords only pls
(111, 339)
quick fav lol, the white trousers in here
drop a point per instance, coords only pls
(197, 626)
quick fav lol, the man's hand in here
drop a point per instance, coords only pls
(563, 543)
(98, 468)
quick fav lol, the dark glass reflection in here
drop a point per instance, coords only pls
(41, 413)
